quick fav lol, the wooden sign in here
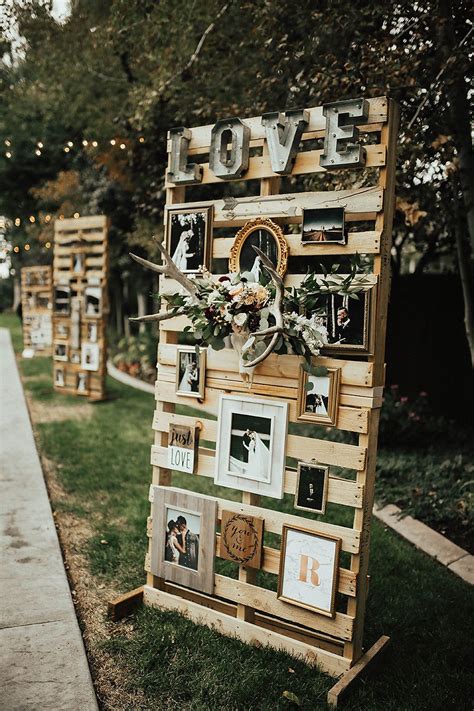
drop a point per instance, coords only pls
(182, 445)
(242, 539)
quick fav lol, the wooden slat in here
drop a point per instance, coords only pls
(201, 135)
(81, 223)
(357, 243)
(288, 207)
(340, 491)
(305, 163)
(246, 631)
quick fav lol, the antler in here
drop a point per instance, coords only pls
(278, 328)
(170, 269)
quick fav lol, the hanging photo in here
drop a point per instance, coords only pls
(190, 372)
(90, 356)
(323, 225)
(349, 322)
(82, 383)
(309, 564)
(318, 396)
(188, 237)
(92, 332)
(182, 447)
(93, 301)
(183, 539)
(60, 351)
(311, 487)
(59, 378)
(62, 297)
(251, 440)
(78, 263)
(265, 234)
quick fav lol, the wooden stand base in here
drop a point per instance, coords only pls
(341, 687)
(125, 604)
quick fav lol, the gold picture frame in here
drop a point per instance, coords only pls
(197, 259)
(251, 227)
(324, 399)
(316, 494)
(301, 574)
(186, 357)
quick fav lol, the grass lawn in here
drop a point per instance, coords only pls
(96, 459)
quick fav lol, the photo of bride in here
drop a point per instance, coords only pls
(250, 446)
(190, 372)
(318, 396)
(187, 238)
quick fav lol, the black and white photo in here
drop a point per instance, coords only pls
(188, 235)
(82, 383)
(265, 234)
(78, 263)
(318, 395)
(323, 225)
(190, 372)
(92, 332)
(62, 299)
(90, 356)
(59, 378)
(93, 301)
(348, 322)
(251, 443)
(60, 351)
(182, 538)
(311, 487)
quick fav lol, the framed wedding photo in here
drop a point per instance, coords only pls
(90, 356)
(62, 300)
(323, 225)
(188, 237)
(309, 565)
(349, 322)
(60, 351)
(311, 487)
(78, 263)
(190, 372)
(183, 538)
(318, 396)
(82, 383)
(59, 377)
(93, 301)
(265, 234)
(251, 442)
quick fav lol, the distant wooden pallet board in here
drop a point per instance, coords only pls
(37, 308)
(242, 607)
(81, 265)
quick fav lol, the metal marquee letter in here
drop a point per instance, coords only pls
(181, 172)
(229, 162)
(341, 120)
(283, 131)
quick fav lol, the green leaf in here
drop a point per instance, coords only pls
(291, 697)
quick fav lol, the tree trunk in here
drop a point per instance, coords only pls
(465, 274)
(141, 302)
(16, 293)
(118, 307)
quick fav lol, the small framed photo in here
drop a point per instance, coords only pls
(190, 372)
(75, 357)
(311, 487)
(92, 332)
(82, 383)
(188, 238)
(78, 263)
(265, 234)
(93, 301)
(318, 396)
(62, 300)
(60, 351)
(183, 538)
(325, 224)
(349, 322)
(251, 442)
(59, 377)
(90, 356)
(309, 566)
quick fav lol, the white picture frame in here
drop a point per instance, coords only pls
(90, 356)
(251, 445)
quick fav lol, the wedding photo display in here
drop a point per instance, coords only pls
(323, 225)
(182, 538)
(348, 322)
(188, 237)
(318, 396)
(190, 372)
(250, 444)
(311, 487)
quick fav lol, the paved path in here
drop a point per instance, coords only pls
(43, 664)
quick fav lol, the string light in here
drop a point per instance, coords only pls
(38, 152)
(70, 144)
(47, 218)
(16, 249)
(141, 139)
(17, 222)
(47, 245)
(39, 144)
(27, 247)
(76, 215)
(8, 154)
(66, 149)
(123, 146)
(85, 143)
(113, 142)
(7, 142)
(31, 218)
(61, 217)
(95, 144)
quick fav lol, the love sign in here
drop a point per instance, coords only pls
(182, 445)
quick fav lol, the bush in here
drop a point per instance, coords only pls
(136, 355)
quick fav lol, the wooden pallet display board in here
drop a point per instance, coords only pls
(241, 607)
(80, 306)
(37, 305)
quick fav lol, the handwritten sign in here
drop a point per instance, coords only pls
(242, 539)
(182, 444)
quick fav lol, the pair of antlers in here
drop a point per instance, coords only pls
(169, 269)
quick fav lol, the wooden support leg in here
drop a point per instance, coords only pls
(124, 605)
(339, 690)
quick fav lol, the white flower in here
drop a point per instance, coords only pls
(240, 319)
(214, 296)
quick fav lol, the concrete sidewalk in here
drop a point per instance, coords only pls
(43, 664)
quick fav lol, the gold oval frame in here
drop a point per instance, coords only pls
(251, 226)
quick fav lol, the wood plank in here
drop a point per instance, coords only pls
(357, 243)
(201, 135)
(288, 207)
(81, 223)
(340, 491)
(337, 692)
(246, 631)
(124, 605)
(305, 163)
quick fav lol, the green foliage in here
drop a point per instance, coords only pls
(136, 355)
